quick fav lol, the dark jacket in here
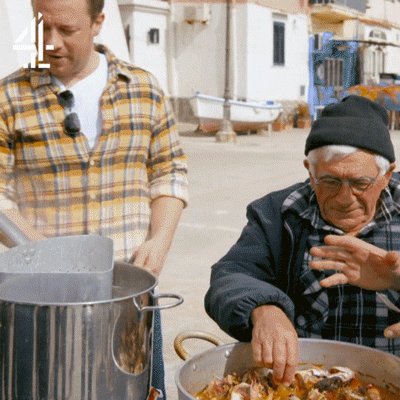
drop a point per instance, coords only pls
(261, 268)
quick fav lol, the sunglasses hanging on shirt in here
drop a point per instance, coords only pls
(72, 125)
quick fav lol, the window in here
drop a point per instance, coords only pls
(374, 64)
(279, 43)
(377, 34)
(317, 41)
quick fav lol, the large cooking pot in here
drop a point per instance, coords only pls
(89, 350)
(378, 367)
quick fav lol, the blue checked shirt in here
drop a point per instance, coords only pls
(346, 312)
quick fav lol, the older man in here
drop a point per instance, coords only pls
(312, 257)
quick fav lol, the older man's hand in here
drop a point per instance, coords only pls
(357, 263)
(274, 342)
(392, 331)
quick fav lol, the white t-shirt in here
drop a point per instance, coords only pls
(87, 93)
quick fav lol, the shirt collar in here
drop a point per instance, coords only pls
(41, 76)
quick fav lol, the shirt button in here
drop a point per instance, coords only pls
(92, 163)
(92, 196)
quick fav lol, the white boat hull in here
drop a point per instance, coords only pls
(245, 116)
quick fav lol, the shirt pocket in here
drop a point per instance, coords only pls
(45, 150)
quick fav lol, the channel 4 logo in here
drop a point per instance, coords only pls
(36, 43)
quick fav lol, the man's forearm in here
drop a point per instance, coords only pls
(165, 214)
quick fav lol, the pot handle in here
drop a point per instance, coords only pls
(12, 232)
(162, 306)
(185, 335)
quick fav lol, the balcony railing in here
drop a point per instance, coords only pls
(359, 5)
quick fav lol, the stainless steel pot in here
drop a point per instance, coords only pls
(88, 351)
(380, 368)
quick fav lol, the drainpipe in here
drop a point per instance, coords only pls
(234, 50)
(171, 62)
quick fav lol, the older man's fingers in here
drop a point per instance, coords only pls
(257, 352)
(280, 356)
(352, 243)
(262, 353)
(392, 331)
(330, 252)
(392, 259)
(333, 280)
(325, 265)
(291, 362)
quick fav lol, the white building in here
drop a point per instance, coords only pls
(257, 73)
(382, 25)
(182, 42)
(269, 43)
(374, 24)
(147, 28)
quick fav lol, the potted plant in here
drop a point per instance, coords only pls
(303, 118)
(281, 123)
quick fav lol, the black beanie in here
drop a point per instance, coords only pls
(355, 121)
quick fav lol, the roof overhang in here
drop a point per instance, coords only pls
(332, 13)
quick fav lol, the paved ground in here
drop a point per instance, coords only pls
(224, 178)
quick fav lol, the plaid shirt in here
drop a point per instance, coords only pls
(61, 185)
(346, 312)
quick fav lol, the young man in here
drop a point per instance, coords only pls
(89, 146)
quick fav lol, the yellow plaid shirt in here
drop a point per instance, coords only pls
(61, 185)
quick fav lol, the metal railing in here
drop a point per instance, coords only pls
(333, 72)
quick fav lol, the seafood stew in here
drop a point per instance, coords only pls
(372, 366)
(316, 383)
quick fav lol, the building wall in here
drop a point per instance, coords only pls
(139, 17)
(382, 16)
(388, 14)
(200, 52)
(379, 52)
(291, 6)
(112, 34)
(386, 10)
(14, 18)
(266, 80)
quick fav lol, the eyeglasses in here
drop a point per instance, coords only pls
(357, 186)
(72, 125)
